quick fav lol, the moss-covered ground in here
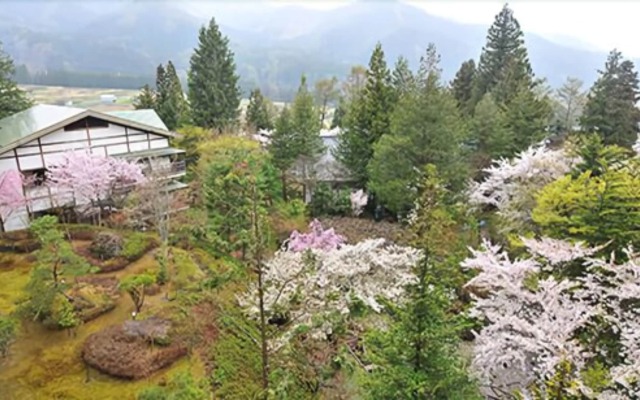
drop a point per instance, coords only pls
(46, 364)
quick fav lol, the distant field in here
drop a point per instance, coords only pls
(80, 97)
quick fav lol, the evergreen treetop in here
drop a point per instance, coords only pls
(12, 98)
(214, 94)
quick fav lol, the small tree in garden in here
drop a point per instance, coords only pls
(417, 356)
(359, 200)
(135, 286)
(56, 264)
(8, 328)
(12, 196)
(92, 178)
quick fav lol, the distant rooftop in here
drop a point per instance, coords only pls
(146, 117)
(39, 119)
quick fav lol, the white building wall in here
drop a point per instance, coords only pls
(41, 153)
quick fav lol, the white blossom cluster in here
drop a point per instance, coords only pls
(308, 287)
(511, 184)
(531, 325)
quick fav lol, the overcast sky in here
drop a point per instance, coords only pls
(600, 24)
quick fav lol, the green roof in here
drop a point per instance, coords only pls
(43, 119)
(146, 117)
(34, 119)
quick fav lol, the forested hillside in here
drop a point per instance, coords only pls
(117, 46)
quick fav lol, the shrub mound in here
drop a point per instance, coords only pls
(94, 296)
(132, 350)
(106, 245)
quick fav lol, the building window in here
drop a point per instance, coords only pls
(35, 177)
(89, 122)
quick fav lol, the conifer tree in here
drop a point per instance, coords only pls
(462, 86)
(611, 106)
(214, 94)
(417, 357)
(307, 143)
(528, 117)
(12, 98)
(258, 116)
(367, 119)
(170, 103)
(426, 128)
(402, 78)
(282, 147)
(504, 52)
(146, 99)
(490, 134)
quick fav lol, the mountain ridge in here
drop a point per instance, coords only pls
(274, 45)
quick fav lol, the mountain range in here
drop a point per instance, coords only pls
(273, 45)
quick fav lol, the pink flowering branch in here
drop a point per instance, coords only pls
(318, 238)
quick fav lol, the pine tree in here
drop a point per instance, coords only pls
(417, 357)
(283, 147)
(146, 99)
(367, 119)
(490, 135)
(611, 106)
(462, 86)
(170, 103)
(402, 78)
(307, 143)
(214, 94)
(12, 98)
(505, 51)
(258, 116)
(528, 117)
(426, 128)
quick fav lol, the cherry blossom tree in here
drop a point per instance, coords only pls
(317, 238)
(510, 185)
(12, 196)
(535, 320)
(316, 288)
(92, 178)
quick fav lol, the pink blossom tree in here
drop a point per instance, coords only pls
(92, 178)
(317, 238)
(12, 196)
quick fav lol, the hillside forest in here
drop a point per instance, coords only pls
(482, 245)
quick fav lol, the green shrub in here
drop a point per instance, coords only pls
(8, 329)
(181, 387)
(136, 245)
(326, 201)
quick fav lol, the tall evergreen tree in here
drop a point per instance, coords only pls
(528, 117)
(402, 78)
(490, 135)
(146, 99)
(283, 147)
(307, 143)
(12, 98)
(426, 128)
(417, 357)
(214, 94)
(611, 105)
(170, 103)
(258, 116)
(504, 53)
(462, 86)
(367, 119)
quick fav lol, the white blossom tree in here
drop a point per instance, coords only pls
(310, 288)
(532, 319)
(511, 184)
